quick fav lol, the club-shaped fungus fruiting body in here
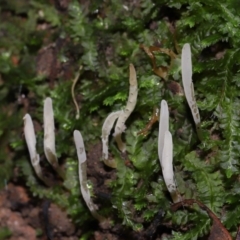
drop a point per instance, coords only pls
(167, 167)
(49, 136)
(106, 129)
(165, 152)
(186, 65)
(131, 103)
(82, 170)
(30, 138)
(49, 141)
(163, 127)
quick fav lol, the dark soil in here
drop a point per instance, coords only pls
(29, 218)
(25, 216)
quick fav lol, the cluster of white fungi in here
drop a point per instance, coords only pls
(165, 145)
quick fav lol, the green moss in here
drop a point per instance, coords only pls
(104, 38)
(5, 233)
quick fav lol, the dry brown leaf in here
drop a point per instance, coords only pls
(161, 71)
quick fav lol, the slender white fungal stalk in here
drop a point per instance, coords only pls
(165, 152)
(186, 65)
(106, 129)
(131, 103)
(163, 127)
(82, 169)
(49, 142)
(49, 136)
(167, 167)
(30, 137)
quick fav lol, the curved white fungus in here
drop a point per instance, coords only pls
(186, 65)
(82, 167)
(163, 126)
(30, 137)
(106, 129)
(167, 167)
(49, 136)
(165, 152)
(131, 103)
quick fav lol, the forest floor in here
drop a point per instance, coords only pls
(26, 217)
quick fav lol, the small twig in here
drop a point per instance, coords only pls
(154, 225)
(72, 92)
(46, 222)
(154, 118)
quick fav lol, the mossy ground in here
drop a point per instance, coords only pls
(43, 44)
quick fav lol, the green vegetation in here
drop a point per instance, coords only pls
(103, 38)
(5, 233)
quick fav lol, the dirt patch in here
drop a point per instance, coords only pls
(25, 217)
(98, 173)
